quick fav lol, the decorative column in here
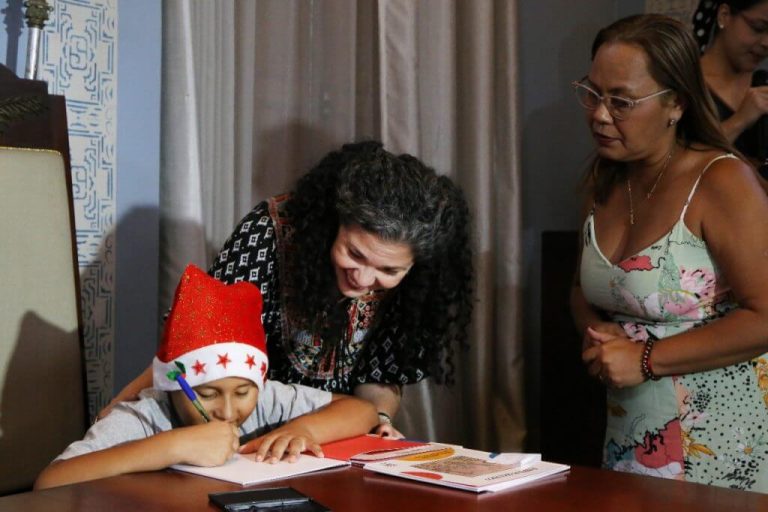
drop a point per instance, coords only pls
(36, 15)
(78, 60)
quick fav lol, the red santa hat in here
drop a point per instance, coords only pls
(214, 330)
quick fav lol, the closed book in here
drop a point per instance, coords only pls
(370, 448)
(470, 470)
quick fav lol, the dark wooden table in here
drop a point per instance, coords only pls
(353, 489)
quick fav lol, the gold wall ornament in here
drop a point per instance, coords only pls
(19, 108)
(37, 12)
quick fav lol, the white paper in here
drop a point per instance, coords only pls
(244, 470)
(520, 459)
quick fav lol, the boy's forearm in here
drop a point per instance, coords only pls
(344, 417)
(153, 453)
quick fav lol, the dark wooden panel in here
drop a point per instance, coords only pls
(572, 404)
(30, 117)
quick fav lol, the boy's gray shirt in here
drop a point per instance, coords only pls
(152, 414)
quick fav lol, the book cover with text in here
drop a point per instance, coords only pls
(470, 470)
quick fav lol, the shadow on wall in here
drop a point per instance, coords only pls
(182, 242)
(137, 306)
(139, 301)
(558, 146)
(14, 24)
(119, 346)
(119, 294)
(42, 405)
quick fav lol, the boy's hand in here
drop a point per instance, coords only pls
(208, 444)
(286, 442)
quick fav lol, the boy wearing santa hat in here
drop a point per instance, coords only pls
(214, 343)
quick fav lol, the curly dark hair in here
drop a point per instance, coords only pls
(398, 199)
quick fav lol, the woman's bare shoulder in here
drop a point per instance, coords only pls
(722, 173)
(728, 183)
(724, 184)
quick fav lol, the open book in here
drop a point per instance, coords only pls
(470, 470)
(244, 470)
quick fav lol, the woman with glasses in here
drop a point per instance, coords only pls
(671, 291)
(733, 37)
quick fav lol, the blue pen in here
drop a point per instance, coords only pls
(493, 455)
(193, 397)
(179, 377)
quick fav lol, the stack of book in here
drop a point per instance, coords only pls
(432, 463)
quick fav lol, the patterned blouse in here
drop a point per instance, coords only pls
(256, 252)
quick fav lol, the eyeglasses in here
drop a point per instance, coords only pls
(618, 106)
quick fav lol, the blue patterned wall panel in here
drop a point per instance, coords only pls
(79, 60)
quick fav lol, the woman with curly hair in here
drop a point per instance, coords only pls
(365, 270)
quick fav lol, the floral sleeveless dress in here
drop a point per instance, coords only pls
(709, 427)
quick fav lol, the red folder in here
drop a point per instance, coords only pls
(369, 447)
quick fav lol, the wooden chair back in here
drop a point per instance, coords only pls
(42, 382)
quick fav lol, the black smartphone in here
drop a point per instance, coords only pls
(270, 499)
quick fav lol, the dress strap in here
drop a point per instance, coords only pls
(696, 185)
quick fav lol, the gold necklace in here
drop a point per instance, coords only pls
(653, 187)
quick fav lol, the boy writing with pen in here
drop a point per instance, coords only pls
(209, 392)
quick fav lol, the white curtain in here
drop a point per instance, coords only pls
(679, 9)
(255, 92)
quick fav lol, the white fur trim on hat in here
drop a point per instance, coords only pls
(213, 362)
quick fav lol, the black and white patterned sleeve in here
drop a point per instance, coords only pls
(250, 254)
(385, 360)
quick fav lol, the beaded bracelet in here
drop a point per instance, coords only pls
(645, 361)
(384, 418)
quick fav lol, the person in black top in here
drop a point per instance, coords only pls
(733, 38)
(365, 269)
